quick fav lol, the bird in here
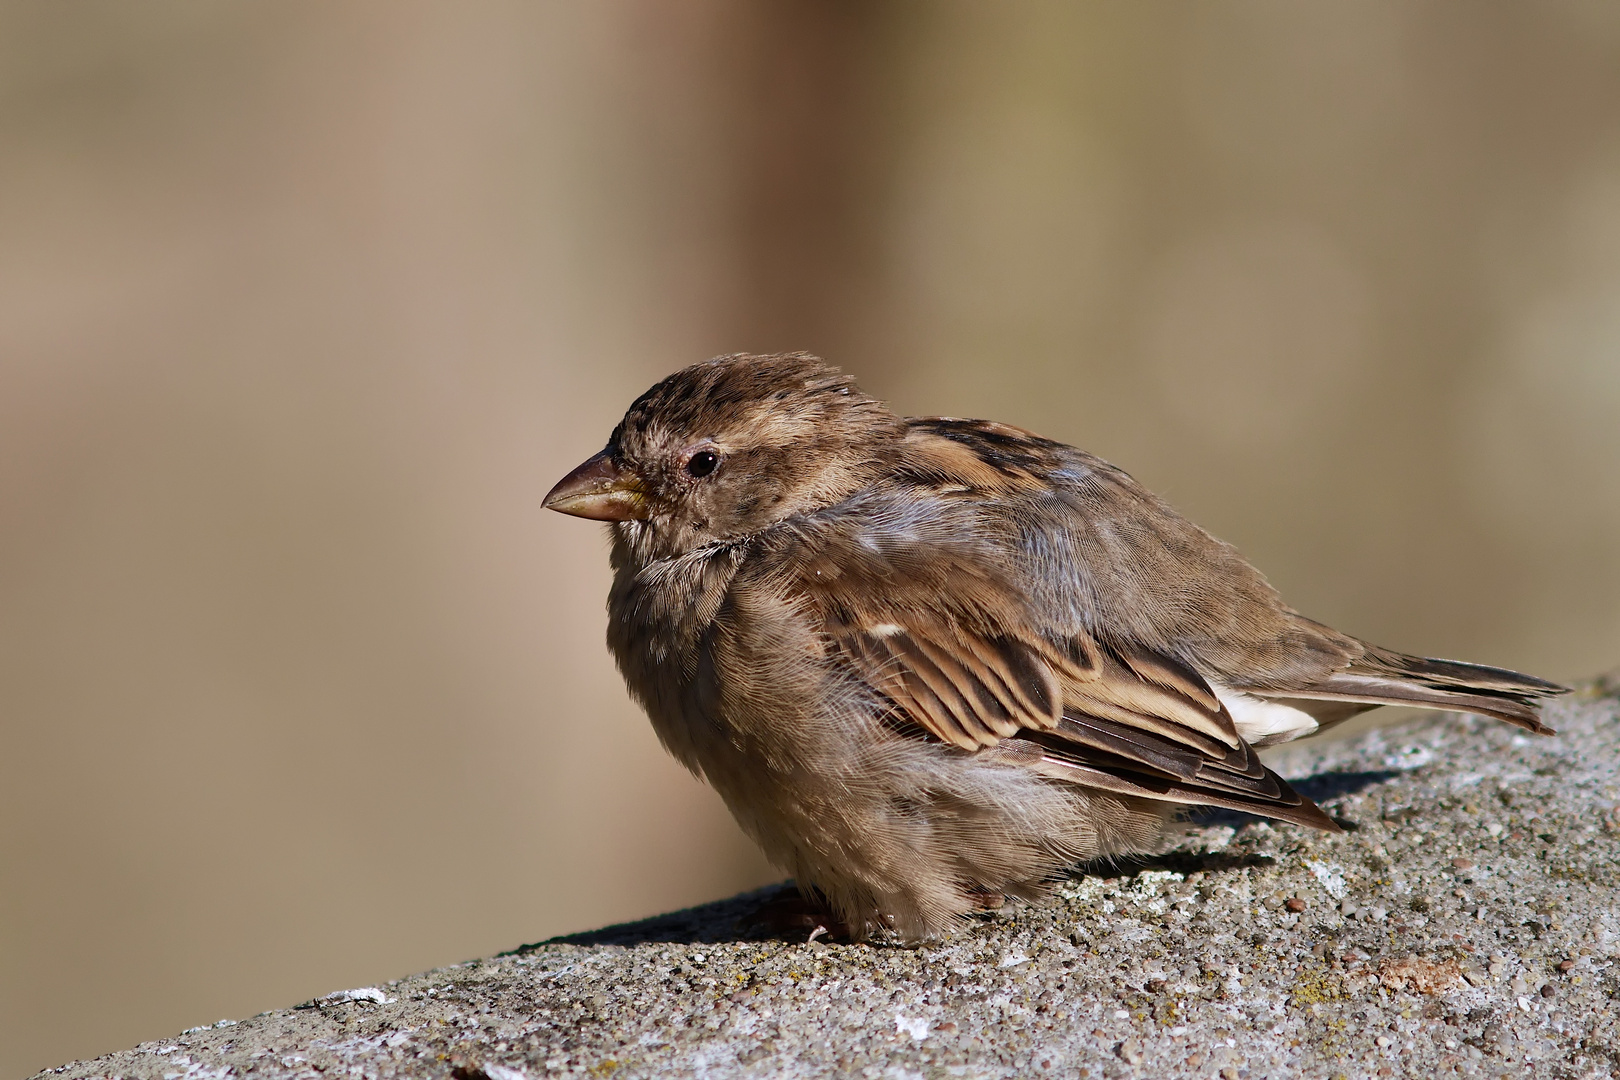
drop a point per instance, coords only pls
(930, 663)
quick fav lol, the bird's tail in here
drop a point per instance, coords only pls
(1384, 677)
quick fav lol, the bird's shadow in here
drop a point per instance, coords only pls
(730, 919)
(706, 924)
(1323, 789)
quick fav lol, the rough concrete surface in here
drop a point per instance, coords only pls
(1467, 923)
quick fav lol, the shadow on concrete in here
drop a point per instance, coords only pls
(722, 920)
(1323, 788)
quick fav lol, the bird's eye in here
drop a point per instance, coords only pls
(702, 463)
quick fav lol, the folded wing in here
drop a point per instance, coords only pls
(1112, 716)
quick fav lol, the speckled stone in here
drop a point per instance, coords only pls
(1468, 923)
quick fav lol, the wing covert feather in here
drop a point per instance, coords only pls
(976, 674)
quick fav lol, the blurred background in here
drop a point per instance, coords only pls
(304, 306)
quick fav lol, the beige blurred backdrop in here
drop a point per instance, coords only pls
(303, 307)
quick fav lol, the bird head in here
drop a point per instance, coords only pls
(728, 447)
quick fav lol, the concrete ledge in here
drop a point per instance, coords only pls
(1469, 923)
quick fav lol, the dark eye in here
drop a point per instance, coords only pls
(702, 463)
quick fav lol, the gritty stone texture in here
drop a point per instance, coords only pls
(1468, 923)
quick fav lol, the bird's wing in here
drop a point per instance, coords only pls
(1125, 719)
(939, 634)
(1151, 576)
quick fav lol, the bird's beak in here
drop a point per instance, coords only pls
(600, 490)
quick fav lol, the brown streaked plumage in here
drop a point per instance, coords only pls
(926, 661)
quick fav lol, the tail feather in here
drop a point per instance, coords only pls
(1455, 674)
(1382, 677)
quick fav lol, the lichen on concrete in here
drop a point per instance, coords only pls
(1467, 923)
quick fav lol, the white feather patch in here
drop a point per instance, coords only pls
(1262, 722)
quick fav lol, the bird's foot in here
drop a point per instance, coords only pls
(792, 915)
(987, 899)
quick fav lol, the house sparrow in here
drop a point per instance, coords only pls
(927, 662)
